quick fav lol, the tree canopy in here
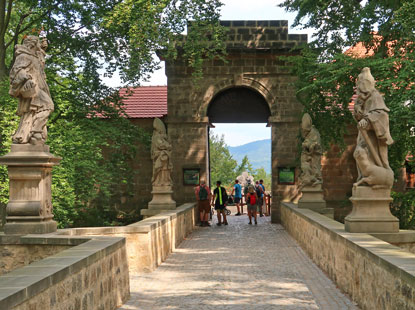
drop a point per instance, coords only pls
(385, 31)
(87, 41)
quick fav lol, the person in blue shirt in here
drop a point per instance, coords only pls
(237, 189)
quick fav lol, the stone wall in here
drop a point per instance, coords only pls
(339, 173)
(91, 275)
(15, 256)
(376, 274)
(149, 241)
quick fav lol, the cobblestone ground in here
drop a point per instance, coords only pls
(237, 267)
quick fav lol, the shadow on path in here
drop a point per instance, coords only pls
(238, 266)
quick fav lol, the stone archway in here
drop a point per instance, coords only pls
(238, 105)
(253, 64)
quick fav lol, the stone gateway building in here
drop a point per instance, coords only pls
(253, 86)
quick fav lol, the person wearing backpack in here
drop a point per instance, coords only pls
(220, 198)
(251, 202)
(203, 196)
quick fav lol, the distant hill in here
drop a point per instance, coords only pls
(258, 152)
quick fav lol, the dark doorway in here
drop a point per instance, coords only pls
(238, 105)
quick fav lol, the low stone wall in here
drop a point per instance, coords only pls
(376, 274)
(149, 241)
(92, 274)
(17, 252)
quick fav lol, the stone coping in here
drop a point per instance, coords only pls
(24, 283)
(143, 226)
(392, 258)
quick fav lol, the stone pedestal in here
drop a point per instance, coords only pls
(29, 210)
(162, 201)
(371, 213)
(312, 198)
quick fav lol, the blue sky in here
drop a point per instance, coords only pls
(239, 134)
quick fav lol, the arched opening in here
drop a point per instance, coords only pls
(238, 105)
(241, 114)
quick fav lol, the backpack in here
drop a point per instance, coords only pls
(252, 199)
(258, 190)
(203, 193)
(224, 194)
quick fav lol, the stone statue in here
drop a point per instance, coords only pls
(161, 155)
(371, 151)
(28, 84)
(310, 154)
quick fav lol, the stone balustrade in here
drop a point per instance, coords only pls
(151, 240)
(376, 274)
(87, 268)
(91, 274)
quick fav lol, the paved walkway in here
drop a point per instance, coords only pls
(237, 267)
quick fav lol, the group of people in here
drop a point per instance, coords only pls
(254, 198)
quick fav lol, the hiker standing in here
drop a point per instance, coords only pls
(251, 202)
(261, 184)
(203, 197)
(237, 189)
(259, 189)
(220, 198)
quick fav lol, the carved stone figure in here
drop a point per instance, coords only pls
(161, 154)
(371, 151)
(371, 192)
(28, 84)
(310, 154)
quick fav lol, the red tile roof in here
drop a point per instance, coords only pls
(145, 101)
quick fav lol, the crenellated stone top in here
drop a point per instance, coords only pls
(253, 35)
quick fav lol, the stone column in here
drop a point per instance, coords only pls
(29, 210)
(283, 153)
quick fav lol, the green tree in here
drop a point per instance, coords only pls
(88, 40)
(327, 75)
(222, 165)
(245, 165)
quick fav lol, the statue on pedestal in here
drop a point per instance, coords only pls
(310, 178)
(371, 151)
(371, 192)
(161, 155)
(161, 150)
(311, 152)
(29, 162)
(28, 84)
